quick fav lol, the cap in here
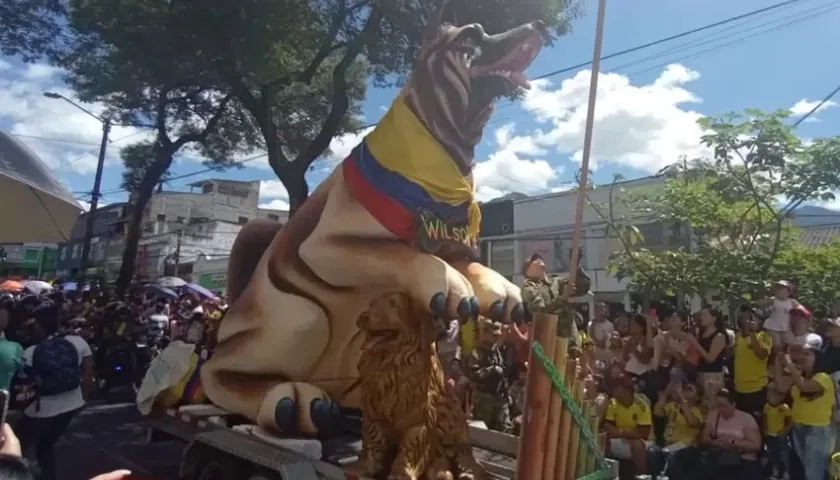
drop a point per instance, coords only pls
(812, 341)
(784, 283)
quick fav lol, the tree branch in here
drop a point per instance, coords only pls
(199, 137)
(340, 100)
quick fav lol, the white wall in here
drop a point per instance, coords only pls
(545, 224)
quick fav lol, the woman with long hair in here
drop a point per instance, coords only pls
(710, 343)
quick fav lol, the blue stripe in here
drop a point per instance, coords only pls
(409, 194)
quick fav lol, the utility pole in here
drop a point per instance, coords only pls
(178, 242)
(94, 197)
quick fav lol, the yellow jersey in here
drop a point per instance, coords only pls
(750, 371)
(776, 418)
(816, 411)
(629, 418)
(468, 337)
(678, 429)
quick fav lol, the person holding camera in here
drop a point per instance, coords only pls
(731, 440)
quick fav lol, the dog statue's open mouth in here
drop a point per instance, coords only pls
(511, 66)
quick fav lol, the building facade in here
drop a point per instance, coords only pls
(167, 216)
(29, 260)
(545, 225)
(497, 236)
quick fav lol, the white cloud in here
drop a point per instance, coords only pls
(273, 189)
(276, 204)
(804, 106)
(341, 146)
(640, 126)
(504, 171)
(30, 114)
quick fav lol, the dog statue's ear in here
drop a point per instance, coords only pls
(442, 16)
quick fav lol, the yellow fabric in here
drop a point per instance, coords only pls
(468, 335)
(750, 371)
(816, 412)
(402, 144)
(679, 430)
(775, 417)
(173, 396)
(629, 418)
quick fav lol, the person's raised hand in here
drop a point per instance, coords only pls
(115, 475)
(11, 444)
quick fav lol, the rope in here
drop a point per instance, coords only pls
(603, 471)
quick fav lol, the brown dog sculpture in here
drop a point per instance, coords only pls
(404, 401)
(398, 214)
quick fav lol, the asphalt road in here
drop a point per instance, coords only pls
(107, 436)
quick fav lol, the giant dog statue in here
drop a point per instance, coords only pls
(398, 214)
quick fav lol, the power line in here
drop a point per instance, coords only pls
(819, 105)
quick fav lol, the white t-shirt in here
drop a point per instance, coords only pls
(779, 319)
(54, 405)
(600, 332)
(634, 365)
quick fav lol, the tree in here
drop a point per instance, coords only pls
(139, 60)
(30, 28)
(327, 49)
(816, 273)
(734, 207)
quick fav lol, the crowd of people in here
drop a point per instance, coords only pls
(59, 348)
(688, 395)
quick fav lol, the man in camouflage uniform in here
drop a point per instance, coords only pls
(485, 367)
(544, 294)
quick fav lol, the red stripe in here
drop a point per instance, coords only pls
(387, 211)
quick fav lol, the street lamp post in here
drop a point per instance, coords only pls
(97, 179)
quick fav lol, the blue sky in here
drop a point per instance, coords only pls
(648, 101)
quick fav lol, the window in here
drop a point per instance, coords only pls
(653, 234)
(180, 219)
(161, 218)
(274, 216)
(207, 188)
(243, 220)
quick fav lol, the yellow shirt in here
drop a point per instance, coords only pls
(679, 430)
(750, 371)
(629, 418)
(468, 336)
(775, 417)
(817, 411)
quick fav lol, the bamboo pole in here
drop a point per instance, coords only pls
(594, 426)
(565, 430)
(537, 393)
(555, 408)
(574, 435)
(583, 450)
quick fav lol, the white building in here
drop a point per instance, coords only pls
(544, 225)
(160, 253)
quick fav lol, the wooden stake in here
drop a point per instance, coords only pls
(583, 449)
(555, 407)
(563, 437)
(574, 435)
(593, 424)
(537, 394)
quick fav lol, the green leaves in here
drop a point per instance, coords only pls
(736, 203)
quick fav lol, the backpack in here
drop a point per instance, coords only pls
(56, 366)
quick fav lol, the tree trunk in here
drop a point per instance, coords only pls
(293, 176)
(132, 238)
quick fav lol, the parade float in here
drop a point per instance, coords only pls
(332, 316)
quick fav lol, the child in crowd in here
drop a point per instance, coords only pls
(778, 323)
(777, 419)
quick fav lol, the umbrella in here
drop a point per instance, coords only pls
(34, 201)
(37, 287)
(201, 290)
(171, 282)
(161, 291)
(11, 286)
